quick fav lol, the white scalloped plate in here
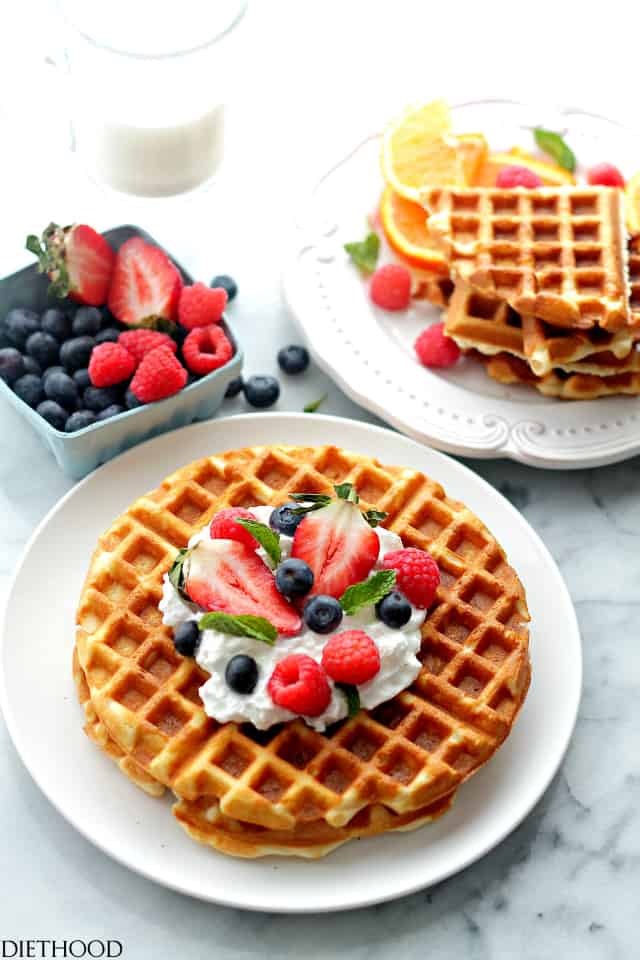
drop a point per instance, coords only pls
(369, 352)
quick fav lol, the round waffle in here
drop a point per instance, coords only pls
(404, 756)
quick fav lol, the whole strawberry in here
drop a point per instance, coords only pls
(78, 261)
(159, 375)
(200, 305)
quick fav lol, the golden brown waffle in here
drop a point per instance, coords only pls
(406, 754)
(483, 322)
(558, 253)
(508, 369)
(434, 287)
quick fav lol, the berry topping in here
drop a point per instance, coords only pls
(605, 175)
(55, 322)
(322, 614)
(186, 638)
(19, 324)
(11, 365)
(76, 353)
(435, 348)
(293, 359)
(53, 413)
(111, 411)
(226, 576)
(146, 285)
(261, 391)
(241, 674)
(517, 176)
(86, 322)
(338, 544)
(417, 572)
(78, 261)
(300, 684)
(390, 287)
(294, 578)
(234, 387)
(79, 420)
(110, 363)
(227, 283)
(100, 398)
(394, 610)
(224, 526)
(284, 519)
(159, 375)
(201, 306)
(140, 342)
(43, 348)
(59, 386)
(351, 657)
(207, 349)
(29, 389)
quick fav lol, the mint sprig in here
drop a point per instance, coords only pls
(240, 625)
(553, 144)
(176, 572)
(368, 591)
(364, 253)
(266, 537)
(353, 697)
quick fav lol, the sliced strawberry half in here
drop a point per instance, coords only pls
(145, 286)
(338, 544)
(78, 261)
(226, 575)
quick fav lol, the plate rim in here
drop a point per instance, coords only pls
(224, 899)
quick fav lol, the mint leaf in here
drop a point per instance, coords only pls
(240, 625)
(367, 592)
(364, 253)
(353, 697)
(374, 517)
(176, 571)
(312, 407)
(553, 144)
(266, 537)
(347, 491)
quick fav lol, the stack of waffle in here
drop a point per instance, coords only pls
(290, 789)
(543, 285)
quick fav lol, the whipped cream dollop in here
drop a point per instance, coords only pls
(398, 649)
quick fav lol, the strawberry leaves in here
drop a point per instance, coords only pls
(344, 491)
(266, 537)
(176, 572)
(368, 591)
(240, 625)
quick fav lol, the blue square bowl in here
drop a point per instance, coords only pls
(80, 452)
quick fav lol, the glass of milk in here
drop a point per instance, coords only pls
(148, 82)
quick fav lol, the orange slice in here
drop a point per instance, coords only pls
(418, 151)
(404, 225)
(632, 203)
(551, 174)
(473, 148)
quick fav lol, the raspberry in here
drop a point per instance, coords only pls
(517, 176)
(200, 305)
(417, 572)
(224, 526)
(351, 657)
(140, 342)
(110, 363)
(206, 349)
(435, 348)
(159, 375)
(390, 287)
(605, 175)
(299, 684)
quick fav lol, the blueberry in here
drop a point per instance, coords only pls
(227, 283)
(79, 420)
(99, 398)
(322, 614)
(110, 411)
(53, 413)
(234, 387)
(294, 578)
(261, 391)
(29, 389)
(109, 334)
(86, 322)
(394, 610)
(43, 348)
(55, 369)
(241, 673)
(56, 323)
(60, 387)
(284, 520)
(75, 353)
(186, 638)
(81, 378)
(11, 365)
(131, 401)
(32, 366)
(20, 324)
(293, 359)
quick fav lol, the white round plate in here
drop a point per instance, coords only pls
(45, 720)
(369, 352)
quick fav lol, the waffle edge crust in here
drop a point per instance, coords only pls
(291, 790)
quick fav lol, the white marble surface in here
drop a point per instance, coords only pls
(566, 882)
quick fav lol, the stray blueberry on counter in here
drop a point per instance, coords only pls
(56, 323)
(234, 387)
(294, 578)
(75, 353)
(60, 387)
(86, 322)
(227, 283)
(394, 610)
(186, 638)
(322, 614)
(19, 325)
(261, 391)
(29, 389)
(11, 365)
(284, 519)
(110, 411)
(293, 359)
(53, 413)
(79, 420)
(43, 347)
(241, 673)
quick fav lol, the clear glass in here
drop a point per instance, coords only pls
(148, 87)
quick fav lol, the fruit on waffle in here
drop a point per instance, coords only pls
(406, 753)
(558, 253)
(507, 369)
